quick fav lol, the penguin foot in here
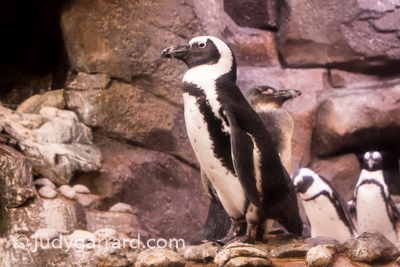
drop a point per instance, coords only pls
(233, 232)
(248, 237)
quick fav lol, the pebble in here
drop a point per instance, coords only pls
(122, 207)
(45, 233)
(44, 181)
(67, 191)
(81, 189)
(47, 192)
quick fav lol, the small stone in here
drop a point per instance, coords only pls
(45, 233)
(319, 256)
(81, 235)
(44, 181)
(47, 192)
(122, 207)
(247, 250)
(67, 191)
(159, 257)
(248, 262)
(202, 253)
(110, 256)
(88, 201)
(326, 241)
(106, 233)
(81, 189)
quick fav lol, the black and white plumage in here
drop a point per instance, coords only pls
(372, 204)
(235, 151)
(267, 102)
(326, 211)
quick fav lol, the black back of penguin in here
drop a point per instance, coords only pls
(235, 112)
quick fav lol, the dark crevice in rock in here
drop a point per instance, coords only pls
(35, 59)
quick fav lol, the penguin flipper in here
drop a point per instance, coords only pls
(243, 162)
(393, 211)
(208, 187)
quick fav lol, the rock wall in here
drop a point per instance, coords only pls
(343, 56)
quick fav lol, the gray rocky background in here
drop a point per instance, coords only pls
(87, 99)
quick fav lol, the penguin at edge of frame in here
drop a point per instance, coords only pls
(236, 152)
(372, 205)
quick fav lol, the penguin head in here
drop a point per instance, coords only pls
(265, 95)
(309, 184)
(372, 161)
(202, 50)
(303, 179)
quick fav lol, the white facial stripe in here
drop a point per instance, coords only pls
(205, 76)
(317, 186)
(376, 155)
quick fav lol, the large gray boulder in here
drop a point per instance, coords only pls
(359, 33)
(357, 120)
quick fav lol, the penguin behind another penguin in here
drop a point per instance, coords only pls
(267, 102)
(326, 211)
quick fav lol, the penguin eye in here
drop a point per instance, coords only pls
(376, 155)
(202, 45)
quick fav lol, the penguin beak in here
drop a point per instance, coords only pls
(288, 94)
(177, 51)
(370, 163)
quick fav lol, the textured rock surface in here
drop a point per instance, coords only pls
(55, 141)
(315, 34)
(348, 121)
(145, 120)
(239, 254)
(372, 246)
(319, 256)
(16, 181)
(84, 81)
(153, 182)
(35, 103)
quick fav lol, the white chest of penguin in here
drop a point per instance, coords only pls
(372, 211)
(228, 187)
(324, 219)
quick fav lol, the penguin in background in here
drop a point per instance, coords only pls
(267, 102)
(239, 163)
(326, 211)
(372, 205)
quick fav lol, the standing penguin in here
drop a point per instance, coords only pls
(239, 163)
(326, 212)
(374, 208)
(267, 102)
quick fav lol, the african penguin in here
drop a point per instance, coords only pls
(235, 151)
(267, 102)
(326, 212)
(374, 208)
